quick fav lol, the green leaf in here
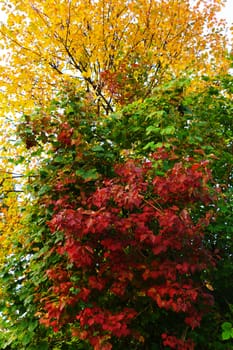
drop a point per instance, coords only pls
(159, 145)
(44, 189)
(98, 148)
(227, 331)
(90, 174)
(169, 130)
(32, 326)
(226, 335)
(150, 145)
(59, 159)
(226, 326)
(28, 300)
(27, 337)
(152, 129)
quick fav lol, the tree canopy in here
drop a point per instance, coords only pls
(116, 181)
(119, 50)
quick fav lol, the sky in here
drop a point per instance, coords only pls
(227, 12)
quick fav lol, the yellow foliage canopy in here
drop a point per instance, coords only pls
(10, 215)
(51, 42)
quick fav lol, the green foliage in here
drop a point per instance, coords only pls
(227, 331)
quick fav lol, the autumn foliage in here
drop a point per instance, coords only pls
(132, 245)
(114, 228)
(104, 44)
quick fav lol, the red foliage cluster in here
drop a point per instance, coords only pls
(124, 84)
(177, 344)
(65, 134)
(136, 236)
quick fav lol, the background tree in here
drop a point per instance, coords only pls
(119, 51)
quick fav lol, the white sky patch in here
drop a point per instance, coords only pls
(227, 12)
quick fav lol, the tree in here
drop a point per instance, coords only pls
(121, 115)
(80, 183)
(129, 248)
(119, 51)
